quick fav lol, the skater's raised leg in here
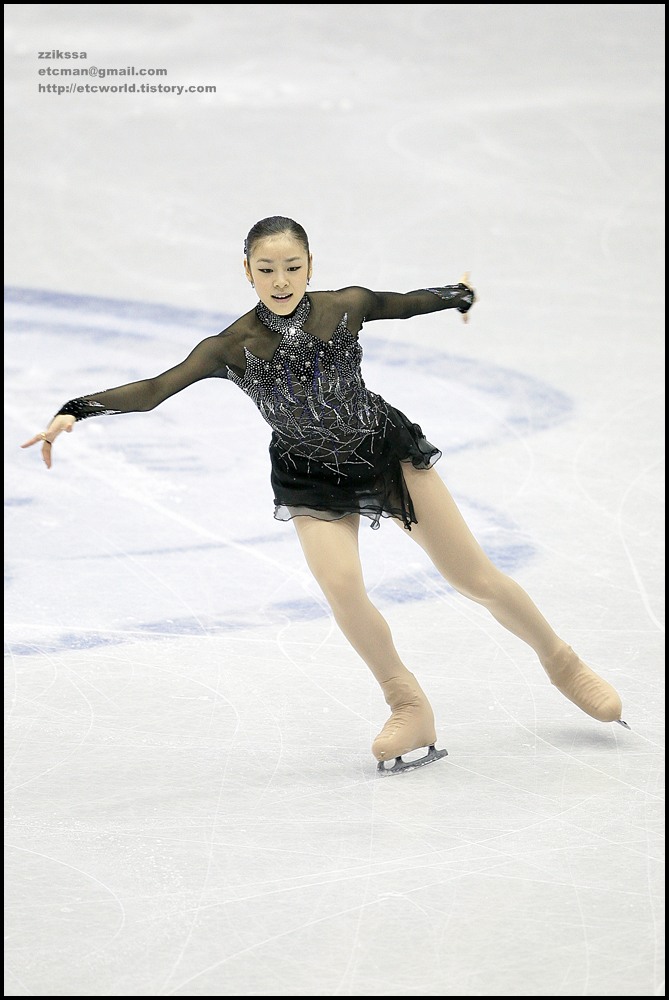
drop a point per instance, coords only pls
(443, 534)
(332, 554)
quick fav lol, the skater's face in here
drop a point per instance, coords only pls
(279, 267)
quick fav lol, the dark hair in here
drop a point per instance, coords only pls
(275, 225)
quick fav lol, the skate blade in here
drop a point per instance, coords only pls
(408, 765)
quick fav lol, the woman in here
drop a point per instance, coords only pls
(340, 452)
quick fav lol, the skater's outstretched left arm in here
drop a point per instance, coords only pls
(365, 305)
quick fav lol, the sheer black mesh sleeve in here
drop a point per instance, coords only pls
(207, 360)
(367, 305)
(459, 296)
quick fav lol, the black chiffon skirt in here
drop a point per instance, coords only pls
(372, 484)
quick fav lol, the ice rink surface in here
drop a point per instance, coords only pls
(192, 807)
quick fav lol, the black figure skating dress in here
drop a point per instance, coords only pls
(336, 447)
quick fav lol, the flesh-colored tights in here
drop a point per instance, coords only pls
(332, 553)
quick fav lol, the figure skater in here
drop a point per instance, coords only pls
(339, 452)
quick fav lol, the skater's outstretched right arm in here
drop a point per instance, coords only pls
(208, 360)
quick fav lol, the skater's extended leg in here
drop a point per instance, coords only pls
(332, 554)
(443, 534)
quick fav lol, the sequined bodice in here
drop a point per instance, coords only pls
(312, 393)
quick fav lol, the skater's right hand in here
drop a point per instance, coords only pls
(64, 422)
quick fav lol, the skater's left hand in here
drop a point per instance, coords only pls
(465, 280)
